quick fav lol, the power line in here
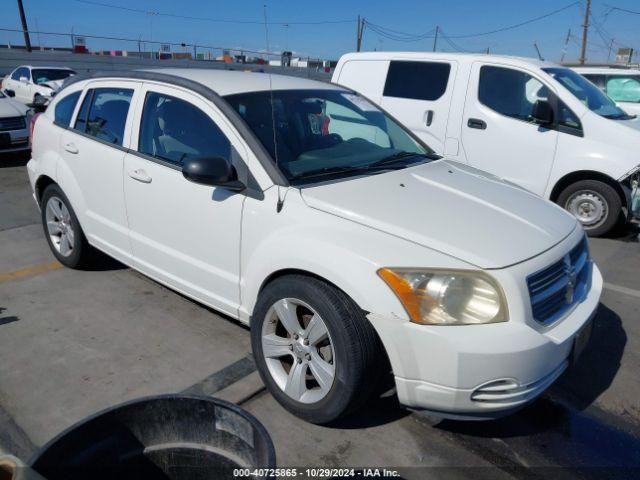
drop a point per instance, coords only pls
(206, 19)
(619, 9)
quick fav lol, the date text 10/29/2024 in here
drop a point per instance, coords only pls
(329, 473)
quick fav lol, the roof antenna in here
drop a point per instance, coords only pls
(273, 114)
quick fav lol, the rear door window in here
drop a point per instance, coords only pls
(103, 114)
(417, 80)
(65, 107)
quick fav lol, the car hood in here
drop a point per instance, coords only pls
(631, 123)
(11, 108)
(455, 209)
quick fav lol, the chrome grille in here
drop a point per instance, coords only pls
(12, 123)
(557, 288)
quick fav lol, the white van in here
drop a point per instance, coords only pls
(533, 123)
(622, 85)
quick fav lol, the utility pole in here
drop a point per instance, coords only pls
(535, 45)
(585, 31)
(435, 38)
(566, 44)
(25, 29)
(610, 48)
(359, 32)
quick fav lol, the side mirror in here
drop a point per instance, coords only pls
(542, 112)
(214, 171)
(10, 93)
(24, 80)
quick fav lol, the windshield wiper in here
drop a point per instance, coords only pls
(399, 156)
(328, 171)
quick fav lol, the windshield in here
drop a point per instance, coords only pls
(587, 93)
(322, 134)
(43, 75)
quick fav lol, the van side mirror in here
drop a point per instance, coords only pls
(24, 80)
(10, 93)
(542, 113)
(214, 171)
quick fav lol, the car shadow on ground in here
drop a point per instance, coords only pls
(14, 159)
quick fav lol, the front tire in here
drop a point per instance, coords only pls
(62, 229)
(315, 350)
(595, 204)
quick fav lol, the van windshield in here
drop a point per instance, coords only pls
(326, 134)
(43, 75)
(587, 93)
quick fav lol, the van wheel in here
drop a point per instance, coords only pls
(595, 204)
(315, 350)
(62, 230)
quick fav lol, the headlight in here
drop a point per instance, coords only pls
(447, 297)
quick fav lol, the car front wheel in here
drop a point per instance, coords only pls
(315, 350)
(595, 204)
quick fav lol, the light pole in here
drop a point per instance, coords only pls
(25, 29)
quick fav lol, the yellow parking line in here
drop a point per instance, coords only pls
(30, 271)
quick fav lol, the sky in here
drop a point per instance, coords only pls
(456, 19)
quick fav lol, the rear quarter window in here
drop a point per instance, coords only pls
(64, 109)
(417, 80)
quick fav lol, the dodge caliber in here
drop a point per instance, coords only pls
(305, 211)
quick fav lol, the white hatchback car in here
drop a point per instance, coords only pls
(305, 211)
(29, 84)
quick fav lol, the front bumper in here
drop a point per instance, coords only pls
(19, 141)
(481, 371)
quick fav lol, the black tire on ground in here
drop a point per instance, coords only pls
(359, 358)
(82, 254)
(606, 193)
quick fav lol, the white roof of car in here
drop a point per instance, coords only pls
(468, 57)
(228, 82)
(48, 67)
(606, 70)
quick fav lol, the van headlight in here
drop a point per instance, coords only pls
(447, 297)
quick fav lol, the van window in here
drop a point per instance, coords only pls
(624, 88)
(81, 119)
(64, 109)
(173, 130)
(108, 109)
(20, 72)
(417, 80)
(510, 92)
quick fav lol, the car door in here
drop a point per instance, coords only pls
(498, 133)
(184, 234)
(93, 150)
(418, 94)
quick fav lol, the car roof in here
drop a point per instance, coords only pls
(230, 82)
(470, 57)
(48, 67)
(606, 70)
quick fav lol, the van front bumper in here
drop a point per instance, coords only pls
(482, 371)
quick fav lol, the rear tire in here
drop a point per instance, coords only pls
(595, 204)
(350, 350)
(62, 229)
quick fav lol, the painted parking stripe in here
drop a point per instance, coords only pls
(30, 271)
(223, 378)
(627, 291)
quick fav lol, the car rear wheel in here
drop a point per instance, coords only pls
(62, 230)
(315, 350)
(594, 203)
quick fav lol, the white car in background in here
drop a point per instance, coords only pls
(14, 125)
(29, 83)
(622, 85)
(306, 212)
(536, 124)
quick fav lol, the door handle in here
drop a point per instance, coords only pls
(476, 123)
(428, 117)
(71, 148)
(140, 175)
